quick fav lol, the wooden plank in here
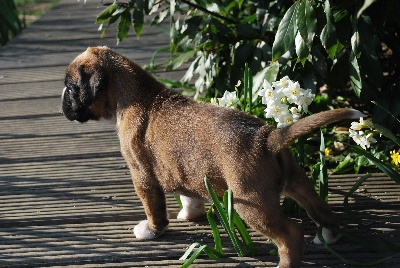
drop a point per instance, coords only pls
(66, 197)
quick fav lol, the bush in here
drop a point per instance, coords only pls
(10, 24)
(332, 43)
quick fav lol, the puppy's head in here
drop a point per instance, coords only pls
(85, 94)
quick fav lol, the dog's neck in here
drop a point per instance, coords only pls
(126, 74)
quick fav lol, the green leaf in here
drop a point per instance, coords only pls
(222, 216)
(215, 231)
(178, 199)
(286, 33)
(386, 110)
(307, 22)
(352, 190)
(176, 62)
(138, 17)
(394, 175)
(355, 238)
(244, 234)
(230, 209)
(323, 175)
(355, 75)
(367, 3)
(270, 74)
(124, 25)
(301, 49)
(328, 33)
(387, 133)
(211, 252)
(106, 13)
(344, 166)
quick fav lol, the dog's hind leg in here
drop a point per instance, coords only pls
(262, 212)
(192, 208)
(300, 188)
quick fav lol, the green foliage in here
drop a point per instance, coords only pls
(232, 225)
(10, 24)
(333, 43)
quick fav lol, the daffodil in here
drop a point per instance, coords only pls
(361, 138)
(358, 125)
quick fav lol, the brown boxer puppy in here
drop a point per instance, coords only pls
(171, 142)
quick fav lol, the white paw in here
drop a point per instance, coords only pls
(329, 237)
(192, 208)
(142, 231)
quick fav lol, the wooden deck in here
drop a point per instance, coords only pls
(66, 198)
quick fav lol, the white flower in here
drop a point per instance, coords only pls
(357, 125)
(229, 99)
(303, 103)
(296, 113)
(367, 140)
(214, 101)
(361, 139)
(282, 83)
(269, 94)
(292, 92)
(275, 110)
(284, 119)
(355, 136)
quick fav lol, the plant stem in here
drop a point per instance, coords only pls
(205, 10)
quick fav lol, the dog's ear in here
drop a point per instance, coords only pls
(93, 81)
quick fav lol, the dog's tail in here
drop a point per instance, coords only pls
(281, 138)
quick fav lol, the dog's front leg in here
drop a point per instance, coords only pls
(192, 208)
(155, 207)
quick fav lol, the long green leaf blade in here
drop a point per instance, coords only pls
(394, 175)
(222, 216)
(323, 175)
(345, 260)
(352, 190)
(215, 231)
(244, 234)
(188, 251)
(230, 209)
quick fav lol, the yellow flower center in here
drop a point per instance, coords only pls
(327, 151)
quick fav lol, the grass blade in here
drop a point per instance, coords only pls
(386, 110)
(207, 249)
(188, 251)
(382, 166)
(323, 175)
(222, 216)
(215, 231)
(178, 199)
(366, 242)
(230, 209)
(352, 190)
(244, 234)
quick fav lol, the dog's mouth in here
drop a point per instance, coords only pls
(73, 109)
